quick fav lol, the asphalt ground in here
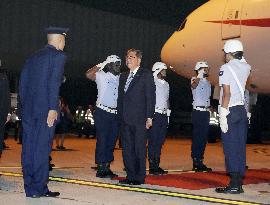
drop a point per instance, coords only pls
(74, 178)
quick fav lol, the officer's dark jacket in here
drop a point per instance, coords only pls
(40, 80)
(138, 103)
(4, 96)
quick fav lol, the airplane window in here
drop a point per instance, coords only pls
(182, 25)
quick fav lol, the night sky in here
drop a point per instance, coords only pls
(170, 12)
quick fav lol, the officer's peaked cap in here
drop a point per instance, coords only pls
(57, 30)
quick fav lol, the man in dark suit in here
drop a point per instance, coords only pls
(40, 80)
(4, 104)
(135, 108)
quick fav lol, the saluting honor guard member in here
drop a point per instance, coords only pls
(233, 76)
(158, 131)
(40, 80)
(201, 91)
(105, 113)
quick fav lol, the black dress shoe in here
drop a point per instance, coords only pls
(230, 190)
(158, 171)
(105, 174)
(135, 182)
(101, 175)
(125, 181)
(201, 168)
(51, 194)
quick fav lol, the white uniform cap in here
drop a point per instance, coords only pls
(157, 67)
(232, 46)
(113, 59)
(201, 64)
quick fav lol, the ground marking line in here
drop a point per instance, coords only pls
(142, 190)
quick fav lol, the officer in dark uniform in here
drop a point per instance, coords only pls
(4, 104)
(201, 91)
(233, 116)
(40, 80)
(105, 113)
(157, 133)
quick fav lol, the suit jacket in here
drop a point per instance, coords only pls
(40, 80)
(5, 97)
(138, 103)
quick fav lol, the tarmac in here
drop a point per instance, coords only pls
(74, 178)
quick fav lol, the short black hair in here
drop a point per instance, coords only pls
(238, 55)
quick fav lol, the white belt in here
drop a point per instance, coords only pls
(238, 103)
(161, 111)
(200, 108)
(107, 109)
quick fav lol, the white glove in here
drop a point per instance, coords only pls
(200, 74)
(102, 65)
(8, 118)
(169, 112)
(223, 112)
(168, 115)
(248, 115)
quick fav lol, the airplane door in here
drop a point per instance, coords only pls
(231, 20)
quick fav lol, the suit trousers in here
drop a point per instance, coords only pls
(157, 135)
(106, 132)
(200, 122)
(36, 149)
(133, 139)
(234, 140)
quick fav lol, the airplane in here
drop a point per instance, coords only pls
(203, 33)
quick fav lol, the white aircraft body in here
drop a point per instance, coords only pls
(202, 35)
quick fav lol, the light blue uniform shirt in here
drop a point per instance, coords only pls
(201, 94)
(242, 71)
(162, 94)
(107, 85)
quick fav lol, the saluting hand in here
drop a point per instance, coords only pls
(149, 123)
(52, 116)
(8, 118)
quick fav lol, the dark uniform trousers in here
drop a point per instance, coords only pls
(200, 121)
(134, 150)
(106, 131)
(234, 140)
(36, 148)
(157, 135)
(2, 131)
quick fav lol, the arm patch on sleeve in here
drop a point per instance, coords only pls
(221, 73)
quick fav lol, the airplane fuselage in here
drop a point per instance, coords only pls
(201, 38)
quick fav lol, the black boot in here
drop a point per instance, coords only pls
(153, 168)
(160, 171)
(199, 166)
(101, 171)
(235, 185)
(109, 172)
